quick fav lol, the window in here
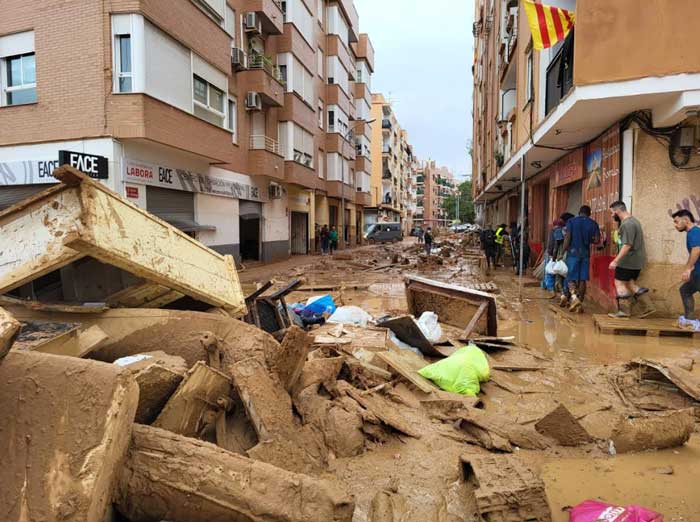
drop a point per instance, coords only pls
(529, 92)
(232, 122)
(123, 63)
(283, 73)
(320, 114)
(283, 7)
(321, 164)
(319, 64)
(303, 147)
(20, 85)
(319, 11)
(208, 102)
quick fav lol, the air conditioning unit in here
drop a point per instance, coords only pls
(238, 59)
(275, 191)
(253, 101)
(252, 23)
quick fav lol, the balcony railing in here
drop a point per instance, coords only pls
(386, 174)
(260, 61)
(262, 142)
(386, 124)
(560, 76)
(386, 149)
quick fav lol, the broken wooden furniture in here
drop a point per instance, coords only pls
(84, 230)
(651, 327)
(269, 312)
(470, 310)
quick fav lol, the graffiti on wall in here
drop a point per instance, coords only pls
(691, 203)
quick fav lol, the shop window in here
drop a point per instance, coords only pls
(208, 101)
(19, 83)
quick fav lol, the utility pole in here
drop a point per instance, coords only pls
(522, 228)
(459, 195)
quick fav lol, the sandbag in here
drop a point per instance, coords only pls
(592, 511)
(462, 372)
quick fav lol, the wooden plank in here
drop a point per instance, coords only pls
(650, 327)
(198, 393)
(407, 330)
(477, 316)
(407, 364)
(38, 306)
(74, 343)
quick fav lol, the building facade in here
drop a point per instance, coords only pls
(434, 184)
(609, 113)
(393, 168)
(246, 126)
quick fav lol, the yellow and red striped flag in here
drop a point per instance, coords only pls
(548, 24)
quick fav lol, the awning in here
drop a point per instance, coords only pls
(185, 224)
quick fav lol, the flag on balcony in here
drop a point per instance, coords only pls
(548, 24)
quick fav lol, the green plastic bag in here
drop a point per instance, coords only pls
(461, 372)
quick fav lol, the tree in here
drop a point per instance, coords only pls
(466, 204)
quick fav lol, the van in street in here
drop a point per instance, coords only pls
(384, 232)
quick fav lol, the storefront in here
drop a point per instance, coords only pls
(27, 169)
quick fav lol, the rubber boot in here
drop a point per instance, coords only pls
(624, 307)
(646, 306)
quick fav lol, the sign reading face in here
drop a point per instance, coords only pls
(94, 166)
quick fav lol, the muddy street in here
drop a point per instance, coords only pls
(568, 362)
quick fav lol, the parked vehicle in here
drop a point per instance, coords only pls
(384, 232)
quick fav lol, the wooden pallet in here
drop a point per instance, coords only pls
(634, 326)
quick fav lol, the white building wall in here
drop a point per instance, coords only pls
(218, 212)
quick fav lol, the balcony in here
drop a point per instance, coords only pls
(362, 164)
(363, 199)
(263, 77)
(386, 148)
(336, 142)
(364, 50)
(269, 12)
(386, 174)
(386, 124)
(264, 158)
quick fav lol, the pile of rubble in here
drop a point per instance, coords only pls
(132, 390)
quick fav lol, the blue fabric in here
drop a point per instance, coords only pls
(693, 240)
(558, 234)
(583, 230)
(578, 268)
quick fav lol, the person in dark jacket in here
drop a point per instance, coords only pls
(428, 238)
(488, 245)
(325, 238)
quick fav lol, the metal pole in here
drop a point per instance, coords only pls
(459, 195)
(522, 228)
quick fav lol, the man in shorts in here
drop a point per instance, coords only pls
(581, 233)
(628, 264)
(684, 221)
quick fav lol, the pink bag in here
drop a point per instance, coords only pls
(592, 511)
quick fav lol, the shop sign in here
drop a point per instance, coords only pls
(188, 181)
(602, 182)
(32, 172)
(568, 169)
(91, 164)
(132, 192)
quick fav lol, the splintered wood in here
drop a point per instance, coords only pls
(185, 412)
(9, 329)
(506, 489)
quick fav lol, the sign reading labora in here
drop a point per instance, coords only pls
(27, 172)
(237, 186)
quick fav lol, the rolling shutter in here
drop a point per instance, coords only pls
(11, 194)
(174, 206)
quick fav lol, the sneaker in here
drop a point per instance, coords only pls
(619, 315)
(576, 304)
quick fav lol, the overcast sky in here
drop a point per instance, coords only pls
(423, 59)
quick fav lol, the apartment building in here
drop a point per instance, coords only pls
(393, 173)
(243, 122)
(434, 184)
(609, 113)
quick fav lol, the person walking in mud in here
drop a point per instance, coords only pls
(628, 264)
(428, 238)
(684, 221)
(488, 245)
(581, 233)
(501, 233)
(333, 239)
(324, 240)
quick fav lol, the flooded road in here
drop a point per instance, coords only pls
(571, 365)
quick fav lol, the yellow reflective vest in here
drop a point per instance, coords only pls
(500, 235)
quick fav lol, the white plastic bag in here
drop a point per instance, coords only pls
(551, 265)
(561, 269)
(350, 315)
(428, 324)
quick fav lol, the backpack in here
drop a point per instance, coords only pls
(489, 237)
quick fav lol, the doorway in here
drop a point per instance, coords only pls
(250, 223)
(300, 233)
(346, 228)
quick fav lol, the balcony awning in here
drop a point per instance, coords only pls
(586, 113)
